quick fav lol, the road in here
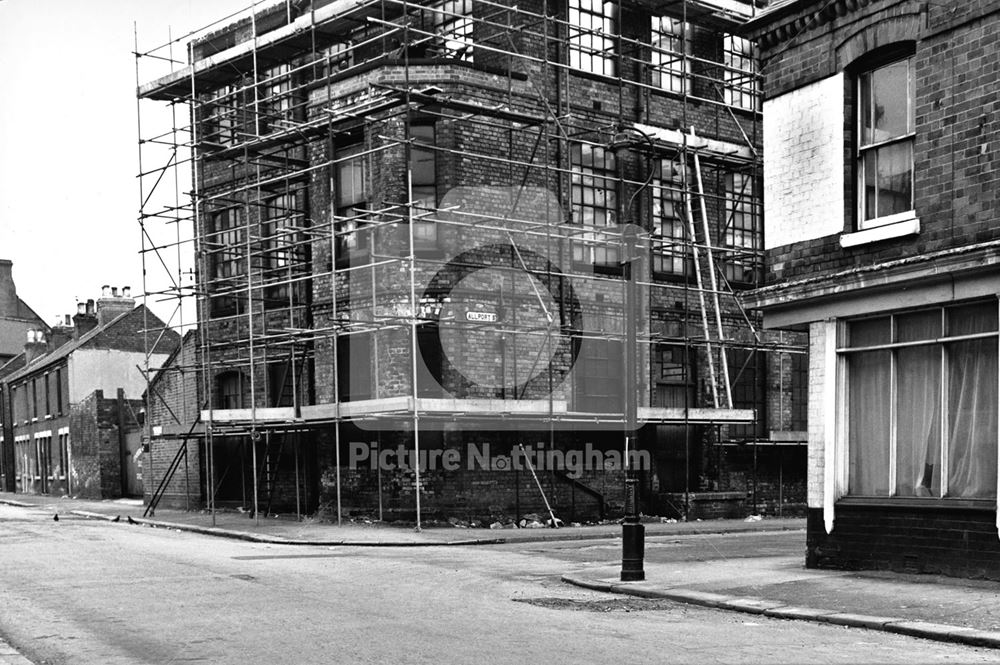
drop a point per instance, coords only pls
(78, 591)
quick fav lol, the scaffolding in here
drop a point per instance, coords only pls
(286, 214)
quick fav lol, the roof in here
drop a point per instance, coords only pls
(101, 337)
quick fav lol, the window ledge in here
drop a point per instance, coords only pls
(930, 503)
(894, 229)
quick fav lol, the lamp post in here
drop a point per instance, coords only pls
(633, 532)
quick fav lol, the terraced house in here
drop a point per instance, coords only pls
(882, 241)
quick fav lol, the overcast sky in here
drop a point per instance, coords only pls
(68, 140)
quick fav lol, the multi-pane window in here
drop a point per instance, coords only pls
(351, 197)
(599, 374)
(674, 376)
(669, 66)
(423, 174)
(592, 27)
(284, 246)
(275, 103)
(922, 402)
(594, 182)
(453, 23)
(221, 127)
(670, 254)
(885, 143)
(740, 74)
(225, 247)
(741, 231)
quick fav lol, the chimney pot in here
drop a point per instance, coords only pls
(69, 321)
(114, 291)
(90, 307)
(31, 336)
(105, 290)
(81, 308)
(126, 292)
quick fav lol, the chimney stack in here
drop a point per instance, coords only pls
(61, 333)
(85, 319)
(111, 305)
(8, 292)
(35, 346)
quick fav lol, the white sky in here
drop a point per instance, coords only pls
(69, 198)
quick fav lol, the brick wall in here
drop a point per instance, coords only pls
(956, 172)
(803, 160)
(947, 541)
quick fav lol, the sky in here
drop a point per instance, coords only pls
(69, 197)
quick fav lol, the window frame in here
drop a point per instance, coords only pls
(670, 252)
(597, 174)
(740, 59)
(667, 49)
(588, 44)
(941, 341)
(741, 222)
(862, 149)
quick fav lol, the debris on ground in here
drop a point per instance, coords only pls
(754, 518)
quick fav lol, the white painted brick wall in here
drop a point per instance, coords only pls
(817, 400)
(804, 163)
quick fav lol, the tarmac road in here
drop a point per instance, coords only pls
(79, 591)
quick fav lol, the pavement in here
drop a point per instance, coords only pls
(926, 606)
(287, 530)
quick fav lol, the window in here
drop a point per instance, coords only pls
(225, 247)
(63, 454)
(423, 171)
(740, 75)
(594, 181)
(354, 366)
(47, 381)
(230, 390)
(591, 36)
(222, 109)
(922, 403)
(59, 391)
(285, 255)
(34, 399)
(275, 104)
(885, 144)
(674, 376)
(453, 22)
(799, 391)
(670, 68)
(748, 388)
(741, 233)
(599, 373)
(670, 254)
(351, 197)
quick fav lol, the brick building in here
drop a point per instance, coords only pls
(882, 241)
(71, 402)
(411, 230)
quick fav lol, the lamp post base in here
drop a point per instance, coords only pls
(633, 539)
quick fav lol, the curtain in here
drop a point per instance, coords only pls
(972, 418)
(918, 422)
(868, 413)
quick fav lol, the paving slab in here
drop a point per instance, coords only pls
(928, 607)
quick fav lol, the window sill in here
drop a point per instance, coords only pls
(917, 502)
(909, 225)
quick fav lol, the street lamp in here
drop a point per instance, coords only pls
(633, 532)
